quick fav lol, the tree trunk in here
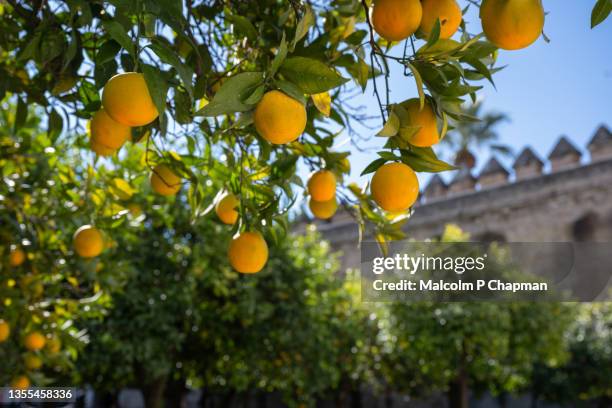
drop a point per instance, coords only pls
(502, 400)
(458, 393)
(105, 400)
(356, 398)
(175, 392)
(154, 393)
(388, 399)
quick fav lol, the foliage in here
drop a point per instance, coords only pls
(488, 345)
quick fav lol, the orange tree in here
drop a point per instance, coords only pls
(458, 346)
(227, 100)
(43, 285)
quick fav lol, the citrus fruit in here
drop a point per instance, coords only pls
(127, 100)
(323, 209)
(395, 187)
(32, 362)
(164, 181)
(54, 345)
(512, 24)
(449, 13)
(425, 118)
(16, 256)
(322, 185)
(395, 20)
(5, 330)
(226, 208)
(99, 149)
(106, 132)
(20, 383)
(34, 341)
(279, 118)
(248, 252)
(88, 241)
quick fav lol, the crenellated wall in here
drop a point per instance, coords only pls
(573, 201)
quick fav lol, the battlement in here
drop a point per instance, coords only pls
(561, 199)
(564, 155)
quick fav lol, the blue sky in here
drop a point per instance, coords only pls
(547, 89)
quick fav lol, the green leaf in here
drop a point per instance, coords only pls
(372, 167)
(21, 115)
(311, 75)
(158, 87)
(168, 56)
(406, 132)
(419, 83)
(434, 36)
(600, 12)
(255, 96)
(242, 26)
(55, 126)
(230, 97)
(118, 33)
(360, 72)
(291, 89)
(279, 58)
(307, 21)
(423, 159)
(391, 126)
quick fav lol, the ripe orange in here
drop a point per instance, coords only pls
(226, 208)
(127, 100)
(428, 134)
(106, 132)
(395, 187)
(322, 185)
(88, 241)
(99, 149)
(20, 383)
(32, 362)
(323, 209)
(449, 13)
(395, 20)
(248, 252)
(512, 24)
(5, 330)
(16, 256)
(279, 118)
(34, 341)
(164, 181)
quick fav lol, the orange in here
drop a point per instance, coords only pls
(395, 187)
(99, 149)
(108, 133)
(5, 330)
(425, 118)
(395, 20)
(54, 345)
(322, 185)
(88, 241)
(449, 13)
(20, 383)
(32, 362)
(34, 341)
(323, 209)
(512, 24)
(279, 118)
(16, 256)
(127, 100)
(164, 181)
(226, 208)
(248, 252)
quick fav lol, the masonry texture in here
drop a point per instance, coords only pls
(571, 202)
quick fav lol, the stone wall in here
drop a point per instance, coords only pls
(566, 204)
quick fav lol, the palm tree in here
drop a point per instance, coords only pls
(477, 133)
